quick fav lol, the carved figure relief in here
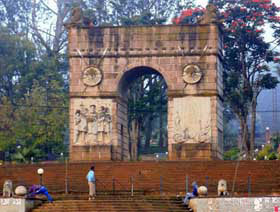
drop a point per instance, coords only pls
(104, 124)
(93, 124)
(180, 134)
(92, 76)
(192, 123)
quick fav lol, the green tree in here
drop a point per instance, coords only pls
(32, 125)
(22, 63)
(138, 12)
(17, 55)
(232, 154)
(15, 15)
(147, 106)
(247, 57)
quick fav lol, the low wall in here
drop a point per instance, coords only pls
(235, 204)
(257, 177)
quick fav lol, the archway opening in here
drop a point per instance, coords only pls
(145, 91)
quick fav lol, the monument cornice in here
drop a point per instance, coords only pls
(143, 53)
(97, 95)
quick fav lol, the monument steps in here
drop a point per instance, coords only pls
(156, 204)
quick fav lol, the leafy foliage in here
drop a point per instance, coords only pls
(16, 59)
(138, 12)
(147, 106)
(247, 56)
(275, 141)
(232, 154)
(265, 152)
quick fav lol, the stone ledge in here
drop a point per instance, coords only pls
(18, 204)
(233, 204)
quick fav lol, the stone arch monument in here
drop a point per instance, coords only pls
(187, 56)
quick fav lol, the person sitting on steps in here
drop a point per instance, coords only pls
(191, 195)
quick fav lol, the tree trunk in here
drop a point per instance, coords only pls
(244, 135)
(160, 127)
(253, 127)
(148, 132)
(139, 121)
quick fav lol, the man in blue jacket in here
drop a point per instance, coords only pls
(91, 183)
(39, 189)
(191, 195)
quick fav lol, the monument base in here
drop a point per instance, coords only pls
(194, 151)
(91, 152)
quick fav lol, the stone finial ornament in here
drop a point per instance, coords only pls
(202, 191)
(78, 18)
(8, 188)
(210, 15)
(21, 191)
(222, 188)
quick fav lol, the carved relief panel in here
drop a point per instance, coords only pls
(192, 120)
(92, 121)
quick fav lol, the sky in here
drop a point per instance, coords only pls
(204, 3)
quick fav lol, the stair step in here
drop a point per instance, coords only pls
(155, 204)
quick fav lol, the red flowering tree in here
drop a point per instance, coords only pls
(189, 16)
(247, 59)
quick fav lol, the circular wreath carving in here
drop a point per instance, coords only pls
(192, 74)
(92, 76)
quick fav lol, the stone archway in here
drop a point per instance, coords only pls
(189, 59)
(145, 91)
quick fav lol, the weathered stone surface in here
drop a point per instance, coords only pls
(192, 120)
(236, 204)
(18, 204)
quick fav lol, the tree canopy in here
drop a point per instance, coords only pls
(247, 56)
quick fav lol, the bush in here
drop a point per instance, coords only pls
(267, 151)
(272, 156)
(232, 154)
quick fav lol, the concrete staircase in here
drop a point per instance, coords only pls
(113, 204)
